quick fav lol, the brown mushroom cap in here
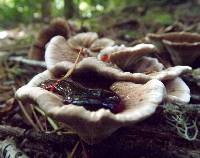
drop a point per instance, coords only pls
(178, 37)
(97, 125)
(100, 44)
(177, 91)
(104, 69)
(148, 65)
(58, 51)
(82, 40)
(127, 57)
(183, 47)
(108, 51)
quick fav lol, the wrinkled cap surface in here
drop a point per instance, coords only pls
(58, 51)
(89, 40)
(127, 57)
(93, 126)
(82, 40)
(183, 47)
(147, 68)
(108, 70)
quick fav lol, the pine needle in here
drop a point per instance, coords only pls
(71, 70)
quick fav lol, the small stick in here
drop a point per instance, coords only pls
(27, 116)
(28, 61)
(36, 118)
(50, 120)
(36, 135)
(73, 68)
(72, 154)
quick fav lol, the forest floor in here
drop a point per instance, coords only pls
(22, 127)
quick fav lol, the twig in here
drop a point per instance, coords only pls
(36, 118)
(72, 154)
(37, 136)
(27, 116)
(26, 113)
(49, 119)
(8, 149)
(73, 68)
(28, 61)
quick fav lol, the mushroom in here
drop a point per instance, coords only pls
(105, 53)
(108, 70)
(90, 41)
(58, 26)
(140, 101)
(59, 49)
(145, 68)
(177, 91)
(126, 58)
(153, 70)
(183, 47)
(82, 40)
(148, 65)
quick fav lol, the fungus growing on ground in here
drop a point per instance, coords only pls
(144, 68)
(183, 47)
(58, 26)
(59, 49)
(93, 126)
(139, 91)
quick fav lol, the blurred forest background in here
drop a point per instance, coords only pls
(126, 22)
(130, 18)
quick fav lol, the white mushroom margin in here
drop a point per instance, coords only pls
(140, 101)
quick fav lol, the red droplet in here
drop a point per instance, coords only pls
(53, 88)
(105, 58)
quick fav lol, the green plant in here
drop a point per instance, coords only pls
(180, 119)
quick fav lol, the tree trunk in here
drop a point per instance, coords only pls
(69, 9)
(46, 10)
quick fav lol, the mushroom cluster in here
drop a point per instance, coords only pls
(140, 81)
(183, 47)
(60, 49)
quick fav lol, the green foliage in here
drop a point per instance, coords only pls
(159, 17)
(17, 11)
(27, 11)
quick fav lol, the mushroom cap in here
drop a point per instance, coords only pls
(105, 69)
(96, 125)
(148, 65)
(183, 53)
(183, 47)
(107, 51)
(177, 91)
(57, 51)
(126, 58)
(170, 73)
(82, 40)
(100, 44)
